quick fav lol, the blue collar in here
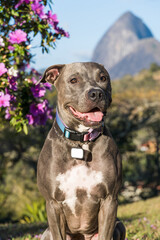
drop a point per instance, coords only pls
(91, 135)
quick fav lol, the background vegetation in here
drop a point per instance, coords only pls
(134, 121)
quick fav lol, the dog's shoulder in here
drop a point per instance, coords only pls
(109, 138)
(107, 131)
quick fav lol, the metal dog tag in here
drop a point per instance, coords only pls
(77, 153)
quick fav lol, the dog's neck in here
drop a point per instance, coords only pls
(88, 135)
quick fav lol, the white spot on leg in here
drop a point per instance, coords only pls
(47, 235)
(78, 177)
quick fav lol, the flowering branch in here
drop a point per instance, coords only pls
(21, 101)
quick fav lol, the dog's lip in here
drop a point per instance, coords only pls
(94, 115)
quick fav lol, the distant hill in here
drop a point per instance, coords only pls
(127, 47)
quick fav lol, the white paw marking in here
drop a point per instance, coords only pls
(78, 177)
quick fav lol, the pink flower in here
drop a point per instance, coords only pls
(17, 36)
(28, 65)
(38, 9)
(66, 34)
(52, 18)
(13, 83)
(34, 80)
(38, 91)
(61, 31)
(153, 227)
(39, 113)
(48, 86)
(7, 115)
(3, 69)
(30, 119)
(4, 100)
(11, 48)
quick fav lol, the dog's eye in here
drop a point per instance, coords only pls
(103, 78)
(73, 80)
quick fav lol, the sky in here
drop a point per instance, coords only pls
(87, 21)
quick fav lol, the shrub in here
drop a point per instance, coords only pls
(22, 102)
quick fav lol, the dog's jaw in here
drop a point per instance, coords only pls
(75, 123)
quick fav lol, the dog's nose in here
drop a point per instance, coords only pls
(95, 95)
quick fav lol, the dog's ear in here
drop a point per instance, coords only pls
(51, 73)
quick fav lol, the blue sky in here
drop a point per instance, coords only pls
(87, 21)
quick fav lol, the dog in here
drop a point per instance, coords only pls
(79, 167)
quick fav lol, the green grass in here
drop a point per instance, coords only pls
(142, 221)
(22, 231)
(28, 237)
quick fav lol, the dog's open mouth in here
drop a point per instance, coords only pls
(95, 115)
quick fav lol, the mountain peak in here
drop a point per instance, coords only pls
(121, 39)
(128, 15)
(135, 24)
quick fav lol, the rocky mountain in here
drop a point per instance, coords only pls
(127, 47)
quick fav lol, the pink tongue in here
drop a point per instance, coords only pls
(90, 116)
(94, 116)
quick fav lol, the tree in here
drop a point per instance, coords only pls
(22, 102)
(134, 120)
(154, 67)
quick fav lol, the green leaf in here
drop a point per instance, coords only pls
(25, 129)
(18, 128)
(13, 121)
(41, 216)
(14, 13)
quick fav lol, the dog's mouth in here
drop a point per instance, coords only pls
(94, 115)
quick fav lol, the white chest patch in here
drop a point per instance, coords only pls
(78, 177)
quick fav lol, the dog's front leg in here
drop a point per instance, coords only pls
(107, 218)
(56, 220)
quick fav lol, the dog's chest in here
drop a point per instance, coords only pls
(79, 179)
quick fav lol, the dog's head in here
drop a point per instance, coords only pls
(84, 92)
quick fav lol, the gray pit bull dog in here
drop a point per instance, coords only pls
(79, 168)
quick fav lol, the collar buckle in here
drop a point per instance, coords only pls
(73, 135)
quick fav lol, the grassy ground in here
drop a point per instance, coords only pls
(22, 231)
(142, 221)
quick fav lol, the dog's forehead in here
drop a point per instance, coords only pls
(83, 67)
